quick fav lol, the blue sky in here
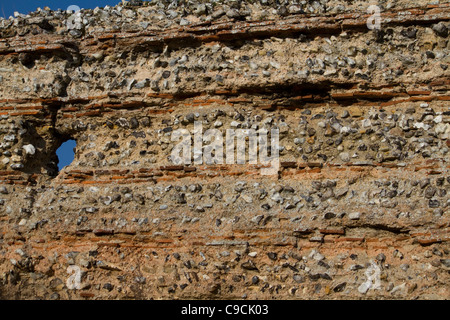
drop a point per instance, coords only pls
(7, 7)
(65, 153)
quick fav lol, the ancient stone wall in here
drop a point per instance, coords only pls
(359, 208)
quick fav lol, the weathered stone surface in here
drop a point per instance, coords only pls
(363, 184)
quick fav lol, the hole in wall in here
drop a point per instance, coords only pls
(66, 153)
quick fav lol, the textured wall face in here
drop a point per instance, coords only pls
(358, 209)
